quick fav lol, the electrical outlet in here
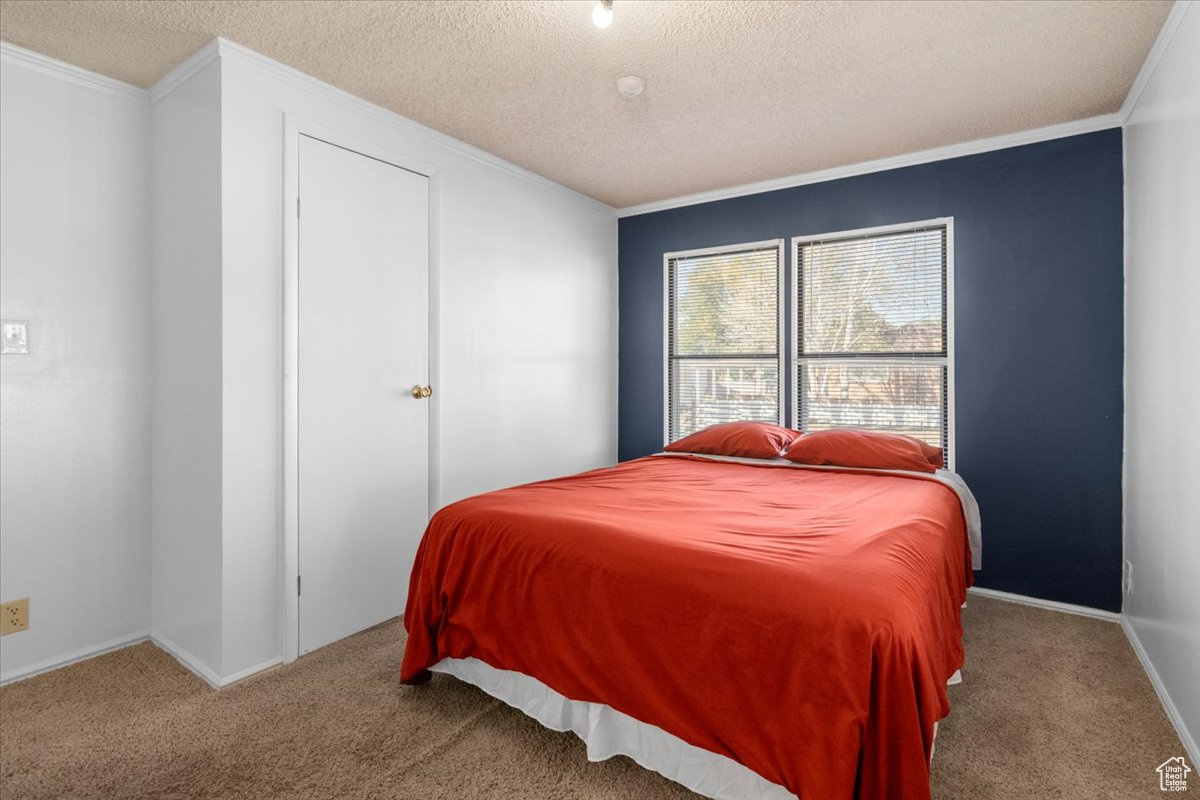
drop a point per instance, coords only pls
(14, 616)
(1128, 577)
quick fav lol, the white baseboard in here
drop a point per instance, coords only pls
(1160, 688)
(194, 664)
(1185, 736)
(251, 671)
(205, 672)
(74, 657)
(1052, 605)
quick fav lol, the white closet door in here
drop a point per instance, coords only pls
(363, 345)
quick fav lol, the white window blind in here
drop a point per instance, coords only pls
(723, 333)
(872, 337)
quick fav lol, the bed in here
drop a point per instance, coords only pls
(749, 628)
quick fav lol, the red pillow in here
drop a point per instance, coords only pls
(745, 439)
(934, 454)
(850, 447)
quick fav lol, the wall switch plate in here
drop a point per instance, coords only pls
(14, 616)
(14, 337)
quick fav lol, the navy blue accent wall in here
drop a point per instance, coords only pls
(1038, 240)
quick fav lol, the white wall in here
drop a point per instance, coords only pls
(1162, 370)
(525, 333)
(74, 414)
(142, 442)
(185, 485)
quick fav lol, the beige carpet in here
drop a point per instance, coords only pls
(1053, 706)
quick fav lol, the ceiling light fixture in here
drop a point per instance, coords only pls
(602, 14)
(630, 86)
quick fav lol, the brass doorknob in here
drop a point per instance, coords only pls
(422, 392)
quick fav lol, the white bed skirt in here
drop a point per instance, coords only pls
(607, 733)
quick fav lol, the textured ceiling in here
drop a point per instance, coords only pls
(735, 91)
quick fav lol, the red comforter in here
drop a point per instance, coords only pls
(801, 622)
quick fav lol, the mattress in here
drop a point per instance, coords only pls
(799, 622)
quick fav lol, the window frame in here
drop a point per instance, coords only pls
(780, 323)
(796, 360)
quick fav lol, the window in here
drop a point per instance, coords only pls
(723, 328)
(873, 332)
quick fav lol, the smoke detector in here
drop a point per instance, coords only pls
(630, 86)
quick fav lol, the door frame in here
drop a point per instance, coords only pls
(293, 128)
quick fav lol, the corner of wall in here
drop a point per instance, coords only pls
(1162, 436)
(186, 361)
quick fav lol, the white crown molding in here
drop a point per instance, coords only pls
(46, 65)
(223, 48)
(1181, 728)
(183, 71)
(1050, 605)
(319, 88)
(1161, 43)
(1089, 125)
